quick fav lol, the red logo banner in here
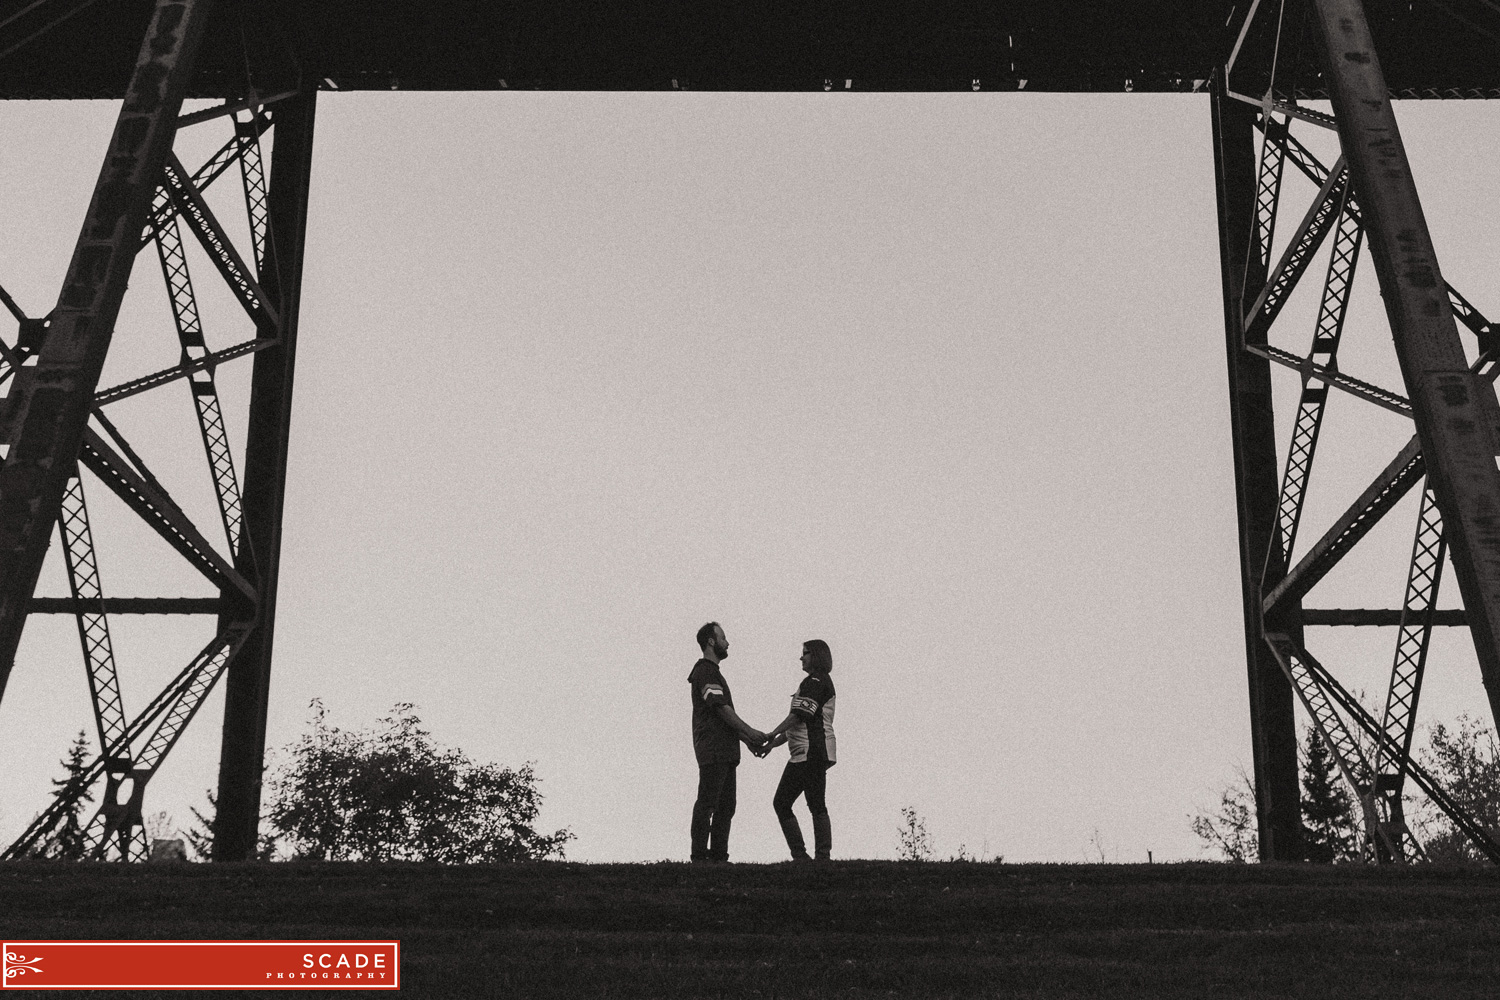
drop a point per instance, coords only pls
(204, 965)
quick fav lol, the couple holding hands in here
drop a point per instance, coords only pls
(718, 732)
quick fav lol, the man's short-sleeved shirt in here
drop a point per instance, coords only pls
(713, 741)
(811, 737)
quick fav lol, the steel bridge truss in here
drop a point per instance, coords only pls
(55, 426)
(1364, 197)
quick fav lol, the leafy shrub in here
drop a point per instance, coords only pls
(391, 794)
(916, 845)
(1232, 832)
(1466, 762)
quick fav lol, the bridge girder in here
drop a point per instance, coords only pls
(1368, 196)
(54, 421)
(55, 424)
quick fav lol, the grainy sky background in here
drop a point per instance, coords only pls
(937, 378)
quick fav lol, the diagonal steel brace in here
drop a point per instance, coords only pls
(158, 511)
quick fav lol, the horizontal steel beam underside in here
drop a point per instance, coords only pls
(61, 49)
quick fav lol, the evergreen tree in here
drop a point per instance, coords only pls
(65, 840)
(1328, 828)
(200, 836)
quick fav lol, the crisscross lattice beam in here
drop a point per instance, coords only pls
(49, 403)
(1449, 399)
(93, 623)
(162, 198)
(205, 391)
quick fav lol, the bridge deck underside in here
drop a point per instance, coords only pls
(1429, 48)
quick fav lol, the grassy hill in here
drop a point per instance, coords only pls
(846, 929)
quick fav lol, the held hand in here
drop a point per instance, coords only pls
(754, 737)
(771, 743)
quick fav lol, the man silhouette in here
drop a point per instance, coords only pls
(717, 734)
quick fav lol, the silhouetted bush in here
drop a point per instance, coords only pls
(1466, 762)
(391, 794)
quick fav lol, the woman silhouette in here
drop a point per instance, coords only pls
(808, 727)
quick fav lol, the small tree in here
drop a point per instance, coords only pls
(1098, 852)
(391, 794)
(200, 836)
(1466, 762)
(1232, 831)
(1329, 831)
(65, 840)
(916, 845)
(160, 826)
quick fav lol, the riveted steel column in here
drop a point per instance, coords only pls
(1273, 731)
(247, 685)
(43, 418)
(1455, 412)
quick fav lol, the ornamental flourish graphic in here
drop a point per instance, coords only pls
(19, 965)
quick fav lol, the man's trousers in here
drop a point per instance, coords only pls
(713, 811)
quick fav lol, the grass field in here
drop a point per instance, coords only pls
(846, 929)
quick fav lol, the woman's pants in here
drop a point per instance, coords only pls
(808, 778)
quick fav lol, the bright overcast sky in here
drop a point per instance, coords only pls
(938, 378)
